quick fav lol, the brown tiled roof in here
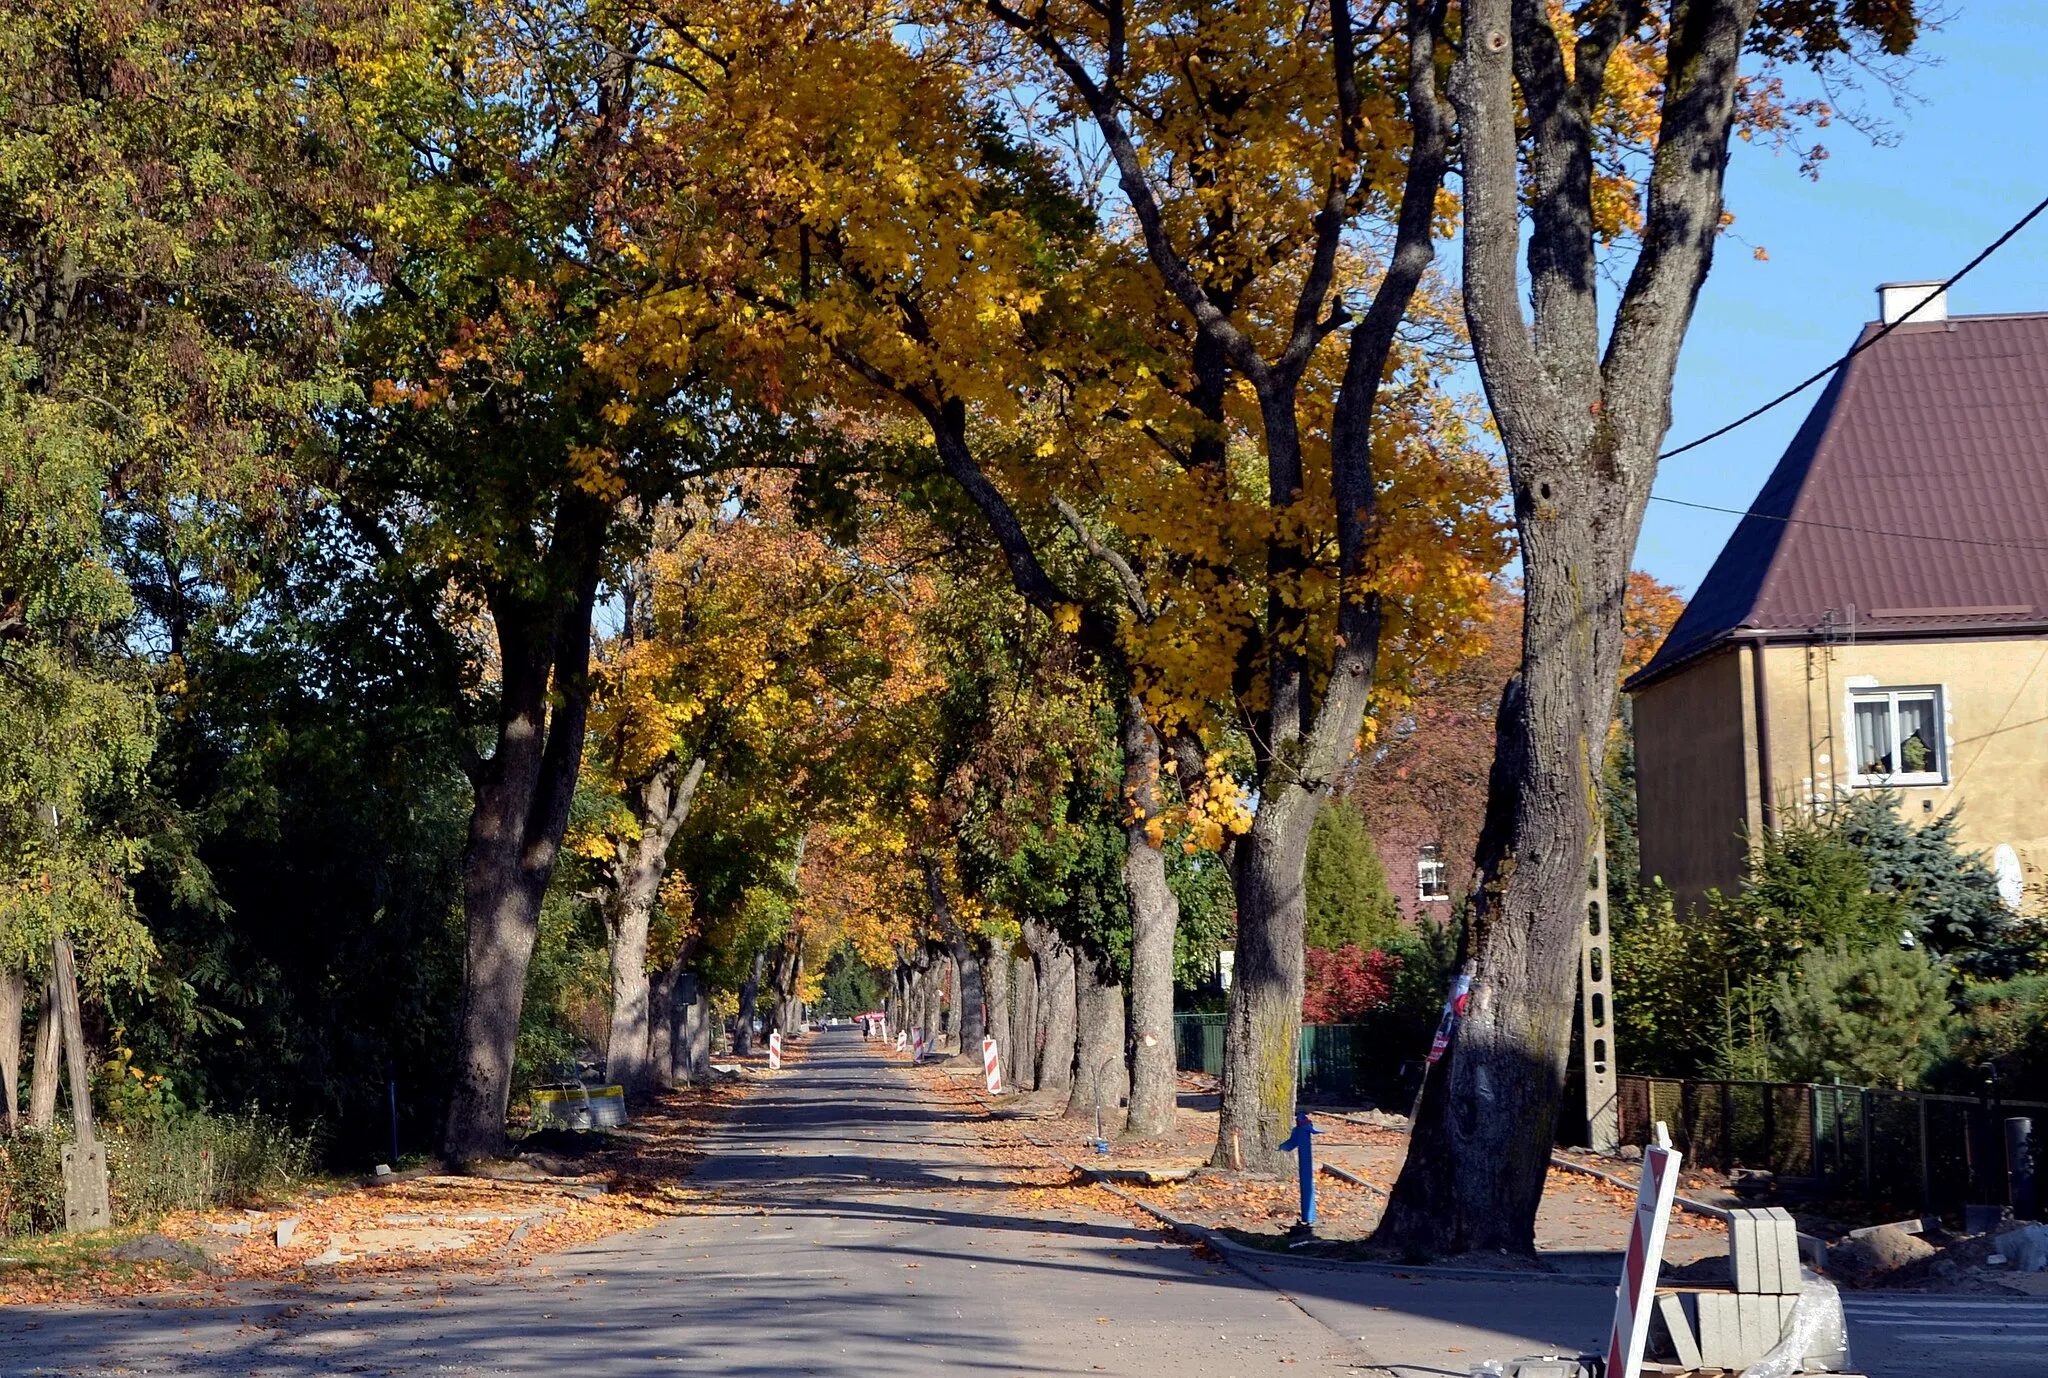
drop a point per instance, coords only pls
(1913, 500)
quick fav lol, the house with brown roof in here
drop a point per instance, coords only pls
(1879, 618)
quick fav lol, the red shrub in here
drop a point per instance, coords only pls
(1346, 983)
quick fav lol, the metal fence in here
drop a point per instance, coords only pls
(1341, 1063)
(1905, 1148)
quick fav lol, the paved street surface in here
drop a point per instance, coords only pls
(861, 1230)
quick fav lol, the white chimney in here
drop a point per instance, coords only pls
(1896, 301)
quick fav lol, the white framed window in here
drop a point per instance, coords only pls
(1432, 882)
(1898, 736)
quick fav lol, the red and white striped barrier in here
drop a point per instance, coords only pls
(775, 1051)
(992, 1066)
(917, 1045)
(1638, 1294)
(899, 1040)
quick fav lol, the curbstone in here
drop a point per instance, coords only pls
(1684, 1203)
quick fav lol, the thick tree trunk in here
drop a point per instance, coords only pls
(42, 1085)
(693, 1004)
(1155, 913)
(970, 1022)
(931, 984)
(994, 966)
(750, 996)
(1022, 1065)
(1057, 1026)
(1100, 1080)
(522, 797)
(970, 1010)
(1262, 1029)
(662, 1052)
(1582, 425)
(13, 996)
(659, 804)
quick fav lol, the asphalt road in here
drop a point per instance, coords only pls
(860, 1232)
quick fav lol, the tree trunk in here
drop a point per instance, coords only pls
(1155, 914)
(929, 997)
(1099, 1074)
(71, 1023)
(522, 797)
(13, 996)
(1057, 1030)
(1262, 1028)
(659, 804)
(693, 1005)
(750, 995)
(994, 966)
(1023, 1061)
(661, 1028)
(1582, 424)
(970, 1020)
(42, 1085)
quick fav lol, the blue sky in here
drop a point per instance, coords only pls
(1972, 156)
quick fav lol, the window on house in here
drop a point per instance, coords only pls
(1431, 880)
(1898, 736)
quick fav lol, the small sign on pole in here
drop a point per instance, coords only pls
(992, 1066)
(1638, 1292)
(775, 1050)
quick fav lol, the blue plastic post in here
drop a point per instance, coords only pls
(1302, 1144)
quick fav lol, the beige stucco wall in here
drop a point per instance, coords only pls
(1695, 775)
(1994, 700)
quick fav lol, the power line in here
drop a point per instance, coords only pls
(1993, 247)
(1854, 530)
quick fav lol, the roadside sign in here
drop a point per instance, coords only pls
(1638, 1292)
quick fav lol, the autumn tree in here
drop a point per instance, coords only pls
(754, 647)
(906, 286)
(1254, 151)
(1581, 399)
(491, 472)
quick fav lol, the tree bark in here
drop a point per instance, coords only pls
(13, 996)
(522, 797)
(1100, 1076)
(994, 966)
(71, 1023)
(1155, 914)
(693, 1006)
(1262, 1026)
(42, 1086)
(1023, 1062)
(1581, 426)
(971, 1011)
(750, 996)
(661, 1028)
(659, 804)
(1057, 1017)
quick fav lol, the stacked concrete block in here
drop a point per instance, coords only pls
(1732, 1329)
(1763, 1251)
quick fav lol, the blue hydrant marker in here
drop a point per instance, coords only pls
(1301, 1143)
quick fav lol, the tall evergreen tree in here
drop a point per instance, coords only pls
(1874, 1018)
(1345, 885)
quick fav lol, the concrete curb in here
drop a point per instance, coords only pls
(1241, 1256)
(1682, 1202)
